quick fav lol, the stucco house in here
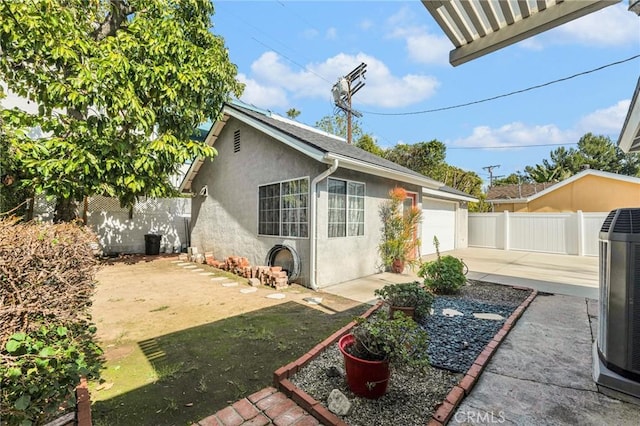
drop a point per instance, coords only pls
(588, 191)
(282, 191)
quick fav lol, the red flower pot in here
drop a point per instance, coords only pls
(397, 267)
(365, 378)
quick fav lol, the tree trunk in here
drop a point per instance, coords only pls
(66, 210)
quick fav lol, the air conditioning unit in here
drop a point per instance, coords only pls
(617, 349)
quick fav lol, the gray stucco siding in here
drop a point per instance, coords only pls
(226, 222)
(345, 258)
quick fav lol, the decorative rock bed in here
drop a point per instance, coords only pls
(460, 346)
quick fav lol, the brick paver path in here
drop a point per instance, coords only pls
(265, 407)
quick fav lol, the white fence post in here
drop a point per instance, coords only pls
(580, 222)
(507, 237)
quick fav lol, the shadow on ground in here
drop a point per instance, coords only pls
(205, 368)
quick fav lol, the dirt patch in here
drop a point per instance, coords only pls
(181, 345)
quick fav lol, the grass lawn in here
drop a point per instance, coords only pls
(180, 346)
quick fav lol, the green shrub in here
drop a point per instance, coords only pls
(407, 295)
(399, 340)
(47, 338)
(445, 274)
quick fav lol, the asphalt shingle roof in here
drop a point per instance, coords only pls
(329, 144)
(515, 191)
(325, 143)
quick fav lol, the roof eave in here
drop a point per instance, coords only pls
(629, 140)
(210, 139)
(448, 195)
(361, 166)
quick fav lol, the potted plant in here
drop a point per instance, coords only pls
(444, 275)
(399, 232)
(410, 298)
(374, 343)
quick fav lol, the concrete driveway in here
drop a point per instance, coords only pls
(549, 273)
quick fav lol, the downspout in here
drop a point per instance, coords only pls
(313, 238)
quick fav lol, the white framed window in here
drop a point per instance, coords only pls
(346, 208)
(283, 208)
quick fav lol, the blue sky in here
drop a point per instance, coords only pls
(290, 53)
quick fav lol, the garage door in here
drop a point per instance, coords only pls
(438, 219)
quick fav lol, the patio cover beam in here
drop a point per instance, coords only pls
(475, 34)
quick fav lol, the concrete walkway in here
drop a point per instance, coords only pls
(542, 372)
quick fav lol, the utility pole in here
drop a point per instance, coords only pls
(344, 90)
(490, 170)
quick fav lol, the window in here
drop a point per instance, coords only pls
(282, 208)
(346, 208)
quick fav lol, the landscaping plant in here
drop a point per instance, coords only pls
(399, 340)
(47, 338)
(411, 294)
(445, 274)
(399, 230)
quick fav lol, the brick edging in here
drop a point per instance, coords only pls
(300, 397)
(443, 414)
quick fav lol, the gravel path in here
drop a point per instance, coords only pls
(413, 395)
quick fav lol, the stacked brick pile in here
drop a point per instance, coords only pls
(272, 276)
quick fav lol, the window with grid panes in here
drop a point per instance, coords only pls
(283, 208)
(346, 208)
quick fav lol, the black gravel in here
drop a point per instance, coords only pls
(455, 342)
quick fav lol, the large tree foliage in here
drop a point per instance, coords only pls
(120, 86)
(594, 152)
(337, 125)
(428, 158)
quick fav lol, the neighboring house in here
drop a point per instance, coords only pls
(281, 190)
(588, 191)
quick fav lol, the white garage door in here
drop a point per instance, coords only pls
(438, 219)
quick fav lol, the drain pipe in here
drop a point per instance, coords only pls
(313, 238)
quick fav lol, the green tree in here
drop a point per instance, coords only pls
(595, 152)
(120, 87)
(421, 157)
(428, 158)
(367, 143)
(293, 113)
(337, 125)
(512, 179)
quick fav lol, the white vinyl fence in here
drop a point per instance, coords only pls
(562, 233)
(121, 230)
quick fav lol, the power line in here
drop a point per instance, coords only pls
(493, 98)
(511, 146)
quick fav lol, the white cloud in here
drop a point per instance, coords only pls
(331, 34)
(365, 24)
(262, 95)
(516, 134)
(611, 26)
(422, 46)
(606, 121)
(270, 74)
